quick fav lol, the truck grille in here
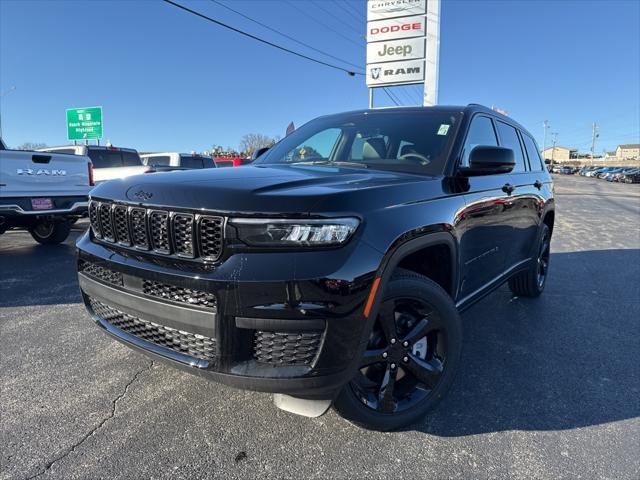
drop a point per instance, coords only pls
(163, 232)
(192, 344)
(286, 348)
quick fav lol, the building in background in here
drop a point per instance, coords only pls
(560, 154)
(630, 151)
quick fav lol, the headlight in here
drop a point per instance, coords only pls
(306, 233)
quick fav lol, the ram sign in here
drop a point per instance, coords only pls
(395, 73)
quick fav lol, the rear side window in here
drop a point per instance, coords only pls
(532, 152)
(105, 158)
(131, 159)
(481, 132)
(509, 139)
(158, 161)
(191, 162)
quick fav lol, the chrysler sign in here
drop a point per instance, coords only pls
(381, 9)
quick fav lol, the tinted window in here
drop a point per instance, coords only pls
(509, 138)
(131, 159)
(105, 158)
(372, 139)
(224, 163)
(190, 161)
(481, 132)
(532, 152)
(157, 161)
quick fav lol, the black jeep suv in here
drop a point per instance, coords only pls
(334, 268)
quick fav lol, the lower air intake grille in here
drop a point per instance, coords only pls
(194, 345)
(187, 296)
(286, 348)
(101, 273)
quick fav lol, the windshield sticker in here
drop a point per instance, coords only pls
(444, 129)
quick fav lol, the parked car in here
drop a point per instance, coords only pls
(168, 160)
(620, 177)
(566, 170)
(632, 178)
(108, 162)
(231, 161)
(334, 268)
(43, 193)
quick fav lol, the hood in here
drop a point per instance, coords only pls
(253, 189)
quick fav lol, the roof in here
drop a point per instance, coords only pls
(629, 146)
(558, 147)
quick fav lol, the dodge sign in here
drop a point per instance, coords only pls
(396, 28)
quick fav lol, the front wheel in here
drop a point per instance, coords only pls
(50, 233)
(411, 357)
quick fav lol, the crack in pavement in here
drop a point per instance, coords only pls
(94, 430)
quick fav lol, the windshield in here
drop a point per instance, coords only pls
(411, 141)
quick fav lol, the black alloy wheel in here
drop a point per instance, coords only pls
(544, 254)
(405, 357)
(410, 359)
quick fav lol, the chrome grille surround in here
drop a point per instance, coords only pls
(162, 231)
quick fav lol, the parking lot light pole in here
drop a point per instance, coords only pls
(9, 90)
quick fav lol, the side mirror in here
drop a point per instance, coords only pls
(489, 160)
(257, 152)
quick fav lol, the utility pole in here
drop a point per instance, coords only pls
(554, 135)
(594, 135)
(544, 138)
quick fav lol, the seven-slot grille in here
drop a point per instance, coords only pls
(162, 231)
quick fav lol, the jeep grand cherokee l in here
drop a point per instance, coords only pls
(334, 268)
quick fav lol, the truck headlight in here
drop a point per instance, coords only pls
(284, 232)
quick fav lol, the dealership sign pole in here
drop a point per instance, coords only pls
(403, 42)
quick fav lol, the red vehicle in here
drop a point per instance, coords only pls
(231, 161)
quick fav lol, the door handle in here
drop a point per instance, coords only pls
(508, 188)
(538, 184)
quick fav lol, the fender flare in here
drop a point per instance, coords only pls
(396, 254)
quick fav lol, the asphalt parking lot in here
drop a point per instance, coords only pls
(548, 388)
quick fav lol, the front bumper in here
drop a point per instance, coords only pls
(276, 322)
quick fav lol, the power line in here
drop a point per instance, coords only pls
(348, 25)
(317, 20)
(262, 40)
(352, 8)
(283, 34)
(391, 96)
(356, 17)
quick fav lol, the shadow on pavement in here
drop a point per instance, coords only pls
(566, 360)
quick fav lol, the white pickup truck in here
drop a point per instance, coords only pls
(44, 193)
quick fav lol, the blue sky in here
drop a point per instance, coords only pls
(170, 81)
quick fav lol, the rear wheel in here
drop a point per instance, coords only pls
(411, 357)
(50, 233)
(531, 282)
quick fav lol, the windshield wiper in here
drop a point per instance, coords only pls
(329, 162)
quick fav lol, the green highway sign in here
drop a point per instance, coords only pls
(84, 123)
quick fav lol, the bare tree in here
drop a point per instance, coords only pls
(253, 141)
(31, 146)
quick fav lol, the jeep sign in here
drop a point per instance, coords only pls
(396, 28)
(395, 73)
(381, 9)
(409, 49)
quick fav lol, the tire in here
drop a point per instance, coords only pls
(390, 408)
(50, 233)
(531, 282)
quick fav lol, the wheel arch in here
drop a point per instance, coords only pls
(401, 251)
